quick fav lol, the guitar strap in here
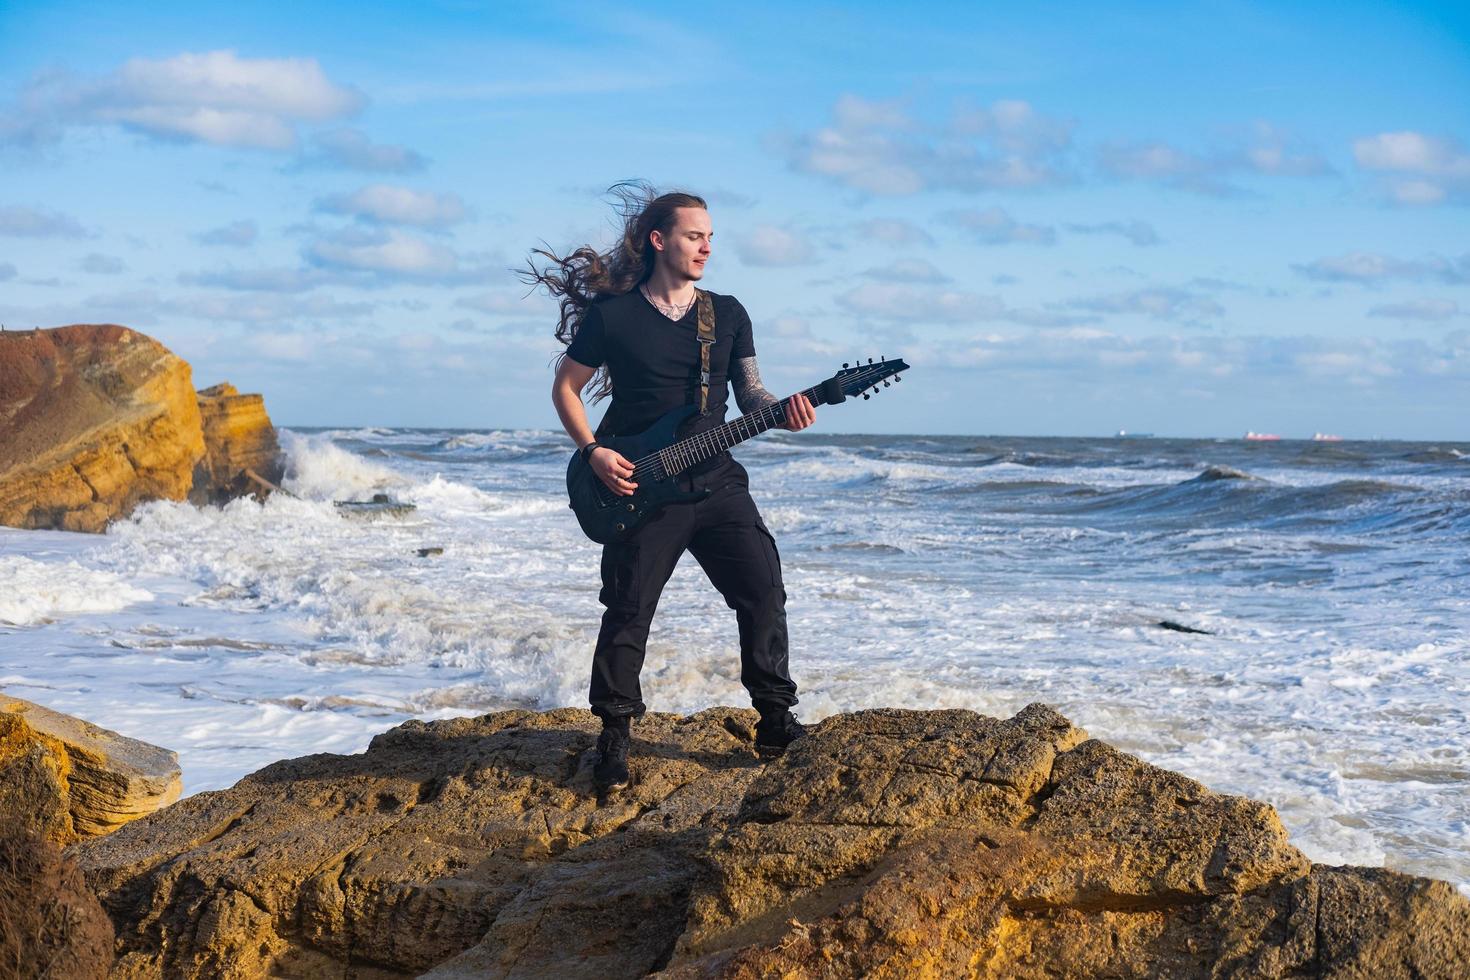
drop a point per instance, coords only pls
(706, 308)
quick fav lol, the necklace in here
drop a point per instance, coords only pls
(672, 312)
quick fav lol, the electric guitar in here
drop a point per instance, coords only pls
(659, 454)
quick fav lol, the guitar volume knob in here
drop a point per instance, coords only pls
(619, 528)
(632, 507)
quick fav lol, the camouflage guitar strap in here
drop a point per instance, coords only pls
(706, 341)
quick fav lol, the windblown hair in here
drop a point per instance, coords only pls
(585, 275)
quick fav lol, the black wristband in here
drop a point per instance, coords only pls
(587, 451)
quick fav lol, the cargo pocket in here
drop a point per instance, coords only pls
(620, 576)
(773, 555)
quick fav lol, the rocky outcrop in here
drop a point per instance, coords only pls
(238, 439)
(51, 926)
(887, 844)
(65, 779)
(93, 420)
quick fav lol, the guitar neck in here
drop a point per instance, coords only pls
(681, 455)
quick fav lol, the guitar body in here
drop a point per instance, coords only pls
(607, 517)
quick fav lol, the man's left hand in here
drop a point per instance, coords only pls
(799, 413)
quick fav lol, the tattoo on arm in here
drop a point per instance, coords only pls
(745, 379)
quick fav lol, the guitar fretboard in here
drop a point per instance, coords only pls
(679, 456)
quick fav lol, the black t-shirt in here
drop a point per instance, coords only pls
(654, 361)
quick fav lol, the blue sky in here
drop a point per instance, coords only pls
(1068, 219)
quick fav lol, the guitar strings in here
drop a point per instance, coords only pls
(696, 445)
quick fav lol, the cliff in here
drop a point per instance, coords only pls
(96, 418)
(93, 419)
(238, 437)
(888, 844)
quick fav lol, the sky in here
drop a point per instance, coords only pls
(1070, 219)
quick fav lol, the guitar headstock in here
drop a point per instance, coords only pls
(857, 378)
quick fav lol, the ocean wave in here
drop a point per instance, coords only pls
(1214, 473)
(1435, 454)
(319, 469)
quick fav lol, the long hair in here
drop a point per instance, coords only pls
(585, 275)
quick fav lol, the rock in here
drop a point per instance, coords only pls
(93, 420)
(888, 843)
(66, 779)
(238, 436)
(50, 924)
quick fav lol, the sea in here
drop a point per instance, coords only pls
(1331, 581)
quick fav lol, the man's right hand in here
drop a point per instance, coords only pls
(614, 470)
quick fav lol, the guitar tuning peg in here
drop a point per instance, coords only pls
(898, 377)
(885, 384)
(866, 396)
(870, 360)
(844, 364)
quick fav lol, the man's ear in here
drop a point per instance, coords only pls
(657, 238)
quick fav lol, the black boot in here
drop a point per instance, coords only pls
(610, 772)
(776, 730)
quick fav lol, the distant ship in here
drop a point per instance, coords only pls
(1262, 437)
(1324, 437)
(1125, 434)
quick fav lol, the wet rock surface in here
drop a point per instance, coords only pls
(889, 843)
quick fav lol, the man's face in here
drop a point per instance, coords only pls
(685, 249)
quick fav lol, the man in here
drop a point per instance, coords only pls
(631, 315)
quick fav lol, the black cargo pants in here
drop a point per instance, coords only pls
(731, 543)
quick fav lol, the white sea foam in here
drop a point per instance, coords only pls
(33, 592)
(318, 469)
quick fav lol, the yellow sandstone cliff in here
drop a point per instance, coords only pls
(97, 418)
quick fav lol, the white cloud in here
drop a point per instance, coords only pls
(1370, 267)
(1138, 232)
(1013, 126)
(38, 223)
(262, 308)
(386, 204)
(346, 148)
(879, 148)
(391, 253)
(893, 231)
(211, 97)
(1158, 303)
(995, 226)
(1266, 151)
(907, 270)
(1097, 356)
(1432, 310)
(900, 303)
(893, 301)
(102, 265)
(236, 234)
(1425, 169)
(142, 307)
(499, 303)
(280, 346)
(769, 245)
(269, 280)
